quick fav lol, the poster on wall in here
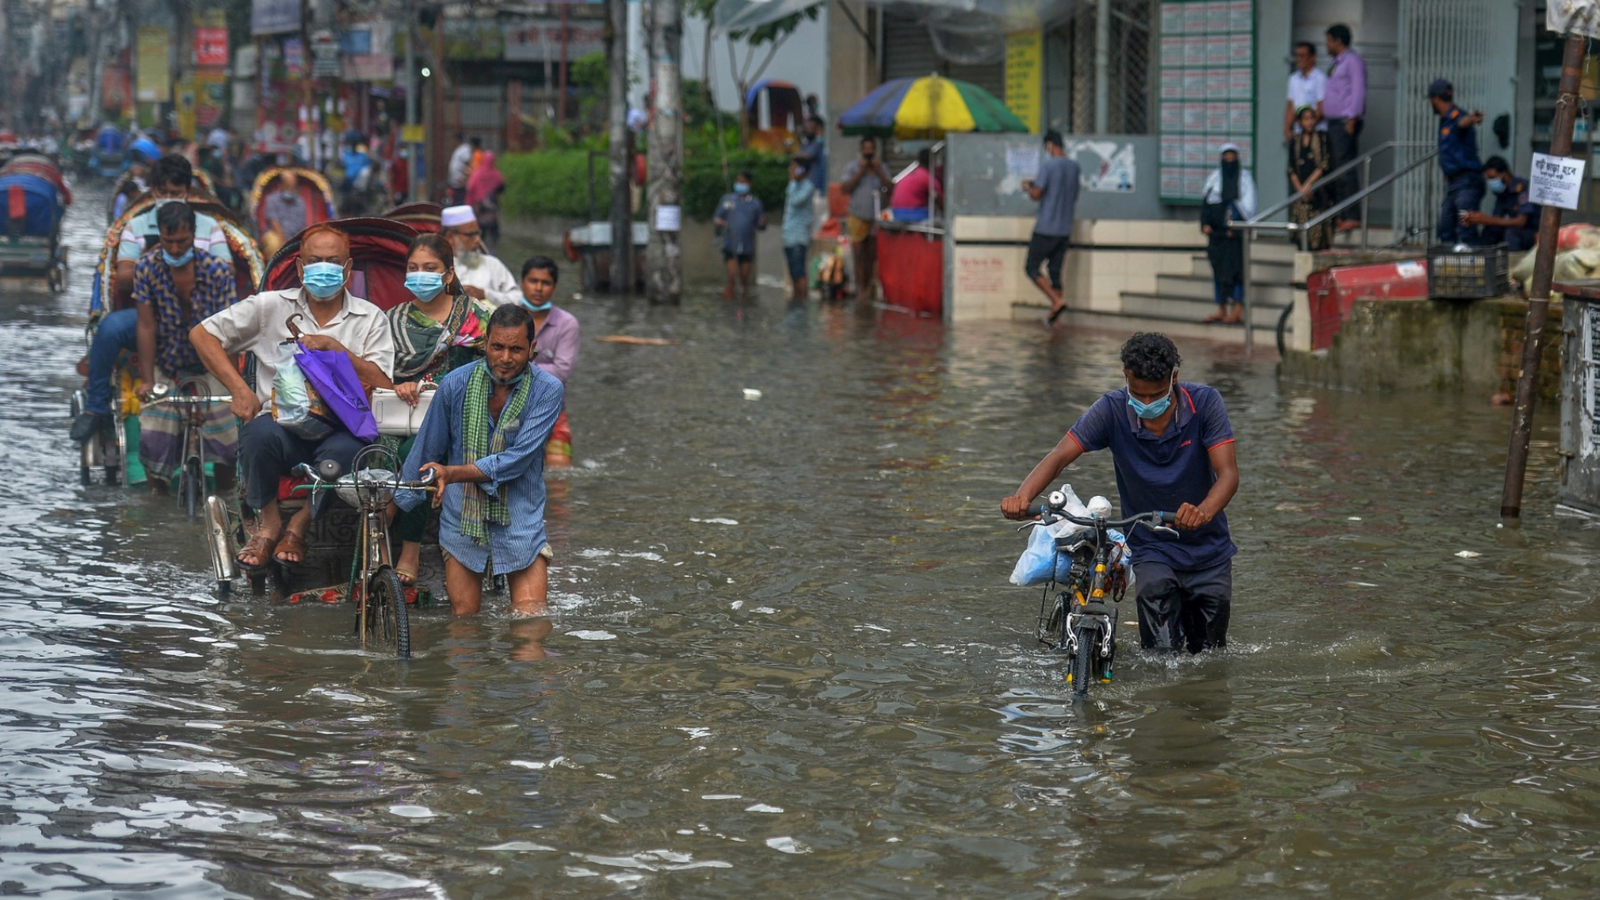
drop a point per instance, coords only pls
(1207, 90)
(1025, 75)
(153, 78)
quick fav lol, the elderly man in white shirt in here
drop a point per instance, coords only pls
(1307, 86)
(482, 275)
(331, 318)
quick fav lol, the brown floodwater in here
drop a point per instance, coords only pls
(783, 659)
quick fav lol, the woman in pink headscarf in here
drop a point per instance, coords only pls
(483, 195)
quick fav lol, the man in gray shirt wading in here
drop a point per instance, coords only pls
(1056, 190)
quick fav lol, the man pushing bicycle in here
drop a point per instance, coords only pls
(1172, 446)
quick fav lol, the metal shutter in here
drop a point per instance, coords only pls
(1472, 43)
(908, 53)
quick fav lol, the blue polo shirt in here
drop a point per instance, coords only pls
(1509, 203)
(1163, 473)
(1458, 145)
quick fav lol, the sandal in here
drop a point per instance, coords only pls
(1216, 317)
(291, 543)
(408, 579)
(259, 546)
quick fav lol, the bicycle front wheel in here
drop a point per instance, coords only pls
(388, 626)
(194, 482)
(1081, 671)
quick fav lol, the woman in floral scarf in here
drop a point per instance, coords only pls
(439, 330)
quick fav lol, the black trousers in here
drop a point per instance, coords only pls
(267, 452)
(1183, 610)
(1343, 148)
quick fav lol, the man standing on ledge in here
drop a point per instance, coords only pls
(1344, 106)
(484, 440)
(1056, 191)
(1172, 446)
(1458, 158)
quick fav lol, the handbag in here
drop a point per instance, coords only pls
(397, 418)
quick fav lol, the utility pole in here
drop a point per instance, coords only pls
(664, 259)
(621, 208)
(1539, 291)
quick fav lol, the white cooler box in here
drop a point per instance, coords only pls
(395, 416)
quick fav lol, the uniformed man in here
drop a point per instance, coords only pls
(1458, 156)
(1515, 220)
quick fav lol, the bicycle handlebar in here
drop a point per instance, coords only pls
(318, 483)
(1155, 520)
(186, 400)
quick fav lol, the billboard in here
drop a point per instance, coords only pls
(153, 80)
(274, 16)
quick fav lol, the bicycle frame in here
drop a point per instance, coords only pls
(373, 551)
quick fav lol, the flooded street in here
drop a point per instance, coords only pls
(783, 658)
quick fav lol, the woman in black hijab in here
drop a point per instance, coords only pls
(1230, 196)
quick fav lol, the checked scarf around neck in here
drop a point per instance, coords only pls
(480, 438)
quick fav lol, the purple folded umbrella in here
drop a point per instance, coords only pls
(335, 379)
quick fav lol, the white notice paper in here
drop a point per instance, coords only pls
(669, 218)
(1555, 181)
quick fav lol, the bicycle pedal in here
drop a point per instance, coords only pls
(1069, 678)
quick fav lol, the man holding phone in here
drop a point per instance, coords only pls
(1055, 189)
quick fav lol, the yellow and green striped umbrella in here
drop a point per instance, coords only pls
(930, 107)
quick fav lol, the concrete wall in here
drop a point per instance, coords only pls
(1408, 345)
(1108, 256)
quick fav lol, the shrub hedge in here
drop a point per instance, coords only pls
(555, 181)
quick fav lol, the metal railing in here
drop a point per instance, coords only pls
(1368, 187)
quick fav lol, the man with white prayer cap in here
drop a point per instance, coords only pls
(481, 274)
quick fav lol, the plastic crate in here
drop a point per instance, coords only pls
(1467, 274)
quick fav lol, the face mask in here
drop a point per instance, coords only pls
(425, 285)
(1151, 410)
(177, 261)
(288, 195)
(740, 187)
(323, 279)
(1497, 185)
(543, 307)
(506, 382)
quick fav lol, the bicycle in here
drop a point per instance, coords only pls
(192, 475)
(1081, 621)
(381, 615)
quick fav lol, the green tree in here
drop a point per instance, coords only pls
(771, 36)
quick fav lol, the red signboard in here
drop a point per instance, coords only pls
(211, 47)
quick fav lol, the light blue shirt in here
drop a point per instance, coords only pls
(797, 212)
(516, 474)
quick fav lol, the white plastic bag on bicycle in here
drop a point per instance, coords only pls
(1040, 563)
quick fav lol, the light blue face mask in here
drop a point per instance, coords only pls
(740, 187)
(543, 307)
(177, 261)
(425, 285)
(1152, 410)
(1497, 185)
(323, 279)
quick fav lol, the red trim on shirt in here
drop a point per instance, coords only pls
(1185, 392)
(1218, 444)
(1076, 441)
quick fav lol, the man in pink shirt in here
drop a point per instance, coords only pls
(909, 202)
(1344, 106)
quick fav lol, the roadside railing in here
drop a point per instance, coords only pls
(1301, 232)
